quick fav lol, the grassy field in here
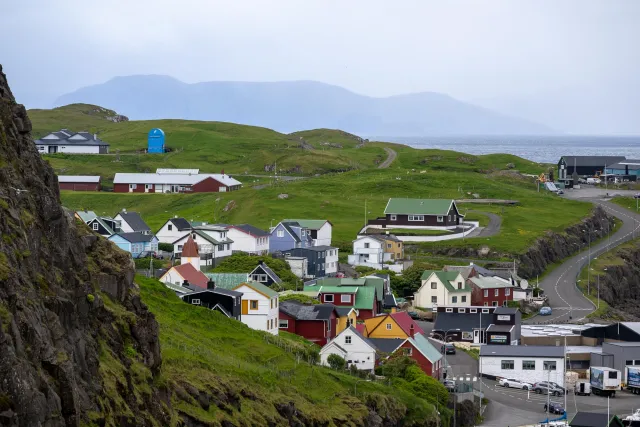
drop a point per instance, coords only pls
(627, 203)
(206, 350)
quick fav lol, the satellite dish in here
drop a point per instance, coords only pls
(524, 284)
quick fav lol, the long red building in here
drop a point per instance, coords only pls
(79, 182)
(174, 181)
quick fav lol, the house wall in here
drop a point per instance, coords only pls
(337, 299)
(124, 226)
(492, 366)
(478, 298)
(324, 235)
(315, 261)
(247, 243)
(209, 185)
(258, 319)
(372, 254)
(291, 324)
(283, 243)
(298, 266)
(424, 363)
(79, 149)
(341, 322)
(383, 331)
(121, 243)
(423, 298)
(394, 249)
(358, 351)
(172, 276)
(621, 355)
(165, 235)
(452, 219)
(366, 314)
(331, 262)
(80, 186)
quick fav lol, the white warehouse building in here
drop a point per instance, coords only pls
(527, 363)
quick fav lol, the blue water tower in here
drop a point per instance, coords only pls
(155, 141)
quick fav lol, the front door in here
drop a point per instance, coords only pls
(245, 306)
(53, 149)
(476, 336)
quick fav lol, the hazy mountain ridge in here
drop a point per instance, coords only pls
(297, 105)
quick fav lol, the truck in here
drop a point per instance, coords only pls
(593, 181)
(604, 381)
(632, 374)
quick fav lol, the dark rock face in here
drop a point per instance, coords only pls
(620, 286)
(55, 328)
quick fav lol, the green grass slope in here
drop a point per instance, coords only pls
(253, 381)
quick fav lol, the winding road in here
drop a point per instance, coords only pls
(391, 156)
(566, 300)
(493, 228)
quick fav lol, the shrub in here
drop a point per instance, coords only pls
(336, 362)
(90, 298)
(304, 299)
(166, 247)
(143, 263)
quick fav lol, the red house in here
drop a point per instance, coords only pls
(424, 353)
(174, 181)
(490, 291)
(317, 323)
(79, 182)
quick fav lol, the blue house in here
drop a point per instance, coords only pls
(288, 235)
(155, 141)
(138, 244)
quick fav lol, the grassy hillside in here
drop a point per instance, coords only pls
(254, 382)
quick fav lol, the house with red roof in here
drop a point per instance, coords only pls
(392, 325)
(178, 274)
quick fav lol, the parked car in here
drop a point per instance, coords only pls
(414, 315)
(548, 388)
(513, 383)
(545, 311)
(636, 196)
(448, 348)
(554, 408)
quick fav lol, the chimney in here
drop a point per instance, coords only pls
(411, 331)
(222, 172)
(211, 284)
(185, 284)
(95, 136)
(124, 210)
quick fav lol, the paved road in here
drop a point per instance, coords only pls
(560, 285)
(493, 228)
(391, 156)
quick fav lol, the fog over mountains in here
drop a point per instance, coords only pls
(297, 105)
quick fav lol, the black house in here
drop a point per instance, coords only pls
(104, 226)
(214, 298)
(584, 165)
(505, 326)
(265, 275)
(316, 259)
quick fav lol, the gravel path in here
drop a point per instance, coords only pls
(391, 156)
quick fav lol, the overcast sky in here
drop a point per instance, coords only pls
(494, 52)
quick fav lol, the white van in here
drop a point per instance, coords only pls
(593, 181)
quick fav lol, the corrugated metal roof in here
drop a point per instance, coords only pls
(311, 224)
(489, 282)
(521, 351)
(79, 178)
(175, 179)
(418, 206)
(593, 161)
(228, 280)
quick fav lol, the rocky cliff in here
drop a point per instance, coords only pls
(56, 328)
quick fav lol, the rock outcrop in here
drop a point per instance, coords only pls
(620, 285)
(73, 327)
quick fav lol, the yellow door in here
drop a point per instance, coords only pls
(245, 306)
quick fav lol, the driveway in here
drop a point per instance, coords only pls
(566, 300)
(493, 228)
(391, 156)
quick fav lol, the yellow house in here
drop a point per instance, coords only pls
(393, 245)
(394, 325)
(346, 316)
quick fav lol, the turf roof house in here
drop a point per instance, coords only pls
(419, 213)
(440, 288)
(174, 181)
(79, 182)
(66, 141)
(249, 239)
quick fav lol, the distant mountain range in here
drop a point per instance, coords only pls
(297, 105)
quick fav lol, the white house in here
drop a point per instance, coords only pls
(132, 222)
(213, 243)
(529, 363)
(442, 288)
(259, 307)
(250, 239)
(320, 230)
(331, 261)
(299, 265)
(368, 250)
(352, 346)
(173, 229)
(66, 141)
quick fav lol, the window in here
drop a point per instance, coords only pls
(179, 247)
(434, 300)
(485, 310)
(449, 310)
(528, 365)
(283, 324)
(347, 339)
(148, 186)
(253, 304)
(434, 285)
(613, 375)
(345, 298)
(366, 246)
(95, 226)
(507, 364)
(449, 218)
(549, 365)
(463, 298)
(486, 292)
(454, 300)
(416, 217)
(259, 277)
(328, 298)
(440, 219)
(302, 232)
(195, 301)
(280, 233)
(459, 285)
(388, 245)
(507, 292)
(472, 310)
(271, 303)
(461, 310)
(407, 351)
(388, 326)
(496, 292)
(393, 218)
(494, 303)
(170, 227)
(467, 336)
(454, 217)
(193, 236)
(328, 326)
(629, 363)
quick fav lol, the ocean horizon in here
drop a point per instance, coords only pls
(541, 149)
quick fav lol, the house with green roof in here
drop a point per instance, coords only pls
(320, 229)
(420, 214)
(367, 300)
(442, 288)
(428, 358)
(228, 280)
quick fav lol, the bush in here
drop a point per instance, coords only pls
(363, 270)
(166, 247)
(243, 263)
(304, 299)
(336, 362)
(90, 298)
(143, 263)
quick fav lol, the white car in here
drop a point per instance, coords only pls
(510, 382)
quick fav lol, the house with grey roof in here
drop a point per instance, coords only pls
(132, 222)
(352, 346)
(316, 322)
(528, 363)
(102, 225)
(173, 229)
(69, 142)
(249, 239)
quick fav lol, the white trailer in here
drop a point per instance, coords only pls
(604, 381)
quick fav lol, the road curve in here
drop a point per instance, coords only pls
(493, 228)
(566, 300)
(391, 156)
